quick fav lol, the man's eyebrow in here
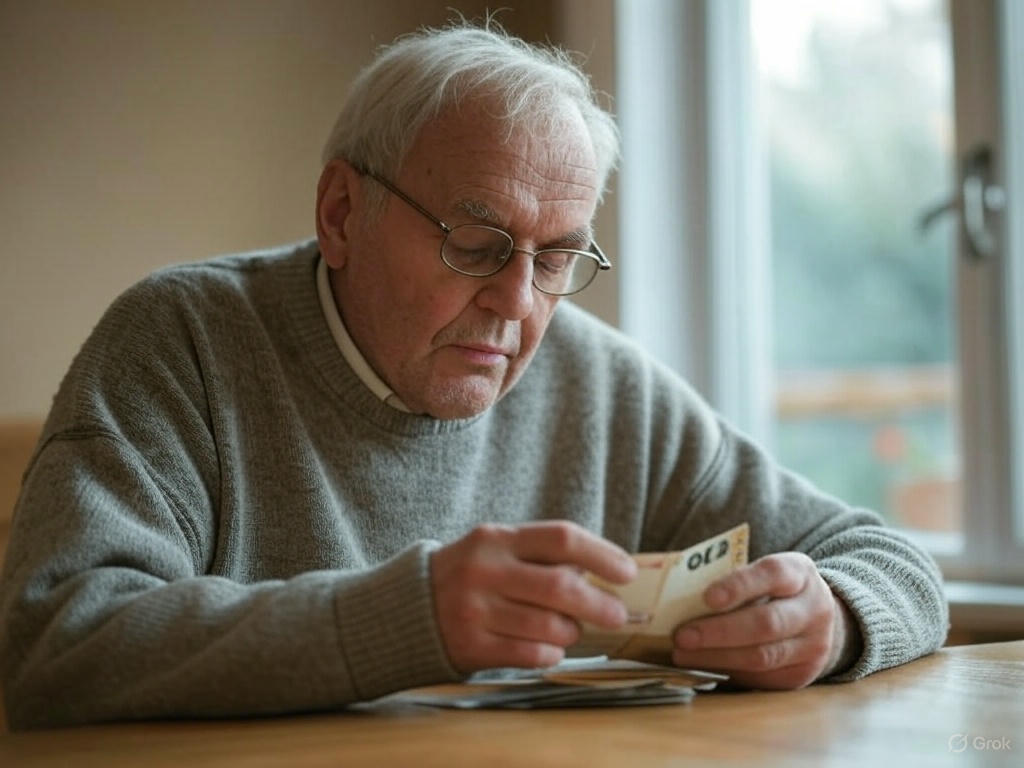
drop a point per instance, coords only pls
(578, 237)
(478, 210)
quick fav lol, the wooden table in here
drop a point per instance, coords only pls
(962, 706)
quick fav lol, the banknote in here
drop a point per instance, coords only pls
(667, 591)
(544, 695)
(596, 682)
(615, 673)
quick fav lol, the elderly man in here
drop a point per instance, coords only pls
(305, 477)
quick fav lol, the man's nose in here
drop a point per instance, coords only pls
(509, 292)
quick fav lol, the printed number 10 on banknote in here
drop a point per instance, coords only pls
(667, 591)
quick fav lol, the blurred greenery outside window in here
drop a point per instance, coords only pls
(858, 106)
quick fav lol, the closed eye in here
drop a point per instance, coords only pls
(556, 261)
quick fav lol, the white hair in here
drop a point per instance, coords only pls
(417, 77)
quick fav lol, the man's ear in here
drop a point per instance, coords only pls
(335, 222)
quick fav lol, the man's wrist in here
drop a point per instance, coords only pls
(846, 639)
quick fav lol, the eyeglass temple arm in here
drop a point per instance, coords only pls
(399, 193)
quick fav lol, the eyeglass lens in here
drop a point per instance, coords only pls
(480, 251)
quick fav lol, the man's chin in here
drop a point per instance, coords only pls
(453, 410)
(462, 401)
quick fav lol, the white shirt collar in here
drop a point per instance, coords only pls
(348, 348)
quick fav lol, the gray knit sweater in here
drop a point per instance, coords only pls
(220, 517)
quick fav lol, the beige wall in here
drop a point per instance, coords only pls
(137, 134)
(588, 27)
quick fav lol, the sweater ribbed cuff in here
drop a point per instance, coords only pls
(887, 642)
(387, 628)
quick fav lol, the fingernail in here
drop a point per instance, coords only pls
(688, 639)
(630, 565)
(716, 597)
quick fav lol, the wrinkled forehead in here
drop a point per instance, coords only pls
(469, 151)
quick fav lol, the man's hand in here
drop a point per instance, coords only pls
(512, 597)
(776, 625)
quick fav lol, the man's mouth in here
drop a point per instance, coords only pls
(483, 354)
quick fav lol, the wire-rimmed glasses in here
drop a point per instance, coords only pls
(479, 250)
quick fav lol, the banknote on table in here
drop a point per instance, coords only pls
(543, 695)
(602, 672)
(597, 682)
(667, 591)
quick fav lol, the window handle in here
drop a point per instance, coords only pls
(978, 198)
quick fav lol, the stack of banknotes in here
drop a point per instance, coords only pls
(598, 682)
(628, 667)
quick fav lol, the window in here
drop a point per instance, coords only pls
(857, 111)
(838, 165)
